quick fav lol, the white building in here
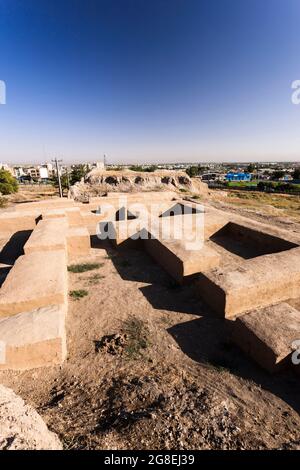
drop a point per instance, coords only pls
(99, 165)
(43, 172)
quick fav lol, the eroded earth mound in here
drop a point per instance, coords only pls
(98, 182)
(21, 427)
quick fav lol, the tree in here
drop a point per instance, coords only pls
(270, 187)
(267, 186)
(139, 168)
(63, 179)
(151, 168)
(8, 183)
(296, 174)
(192, 171)
(196, 170)
(201, 169)
(261, 186)
(278, 174)
(286, 187)
(250, 168)
(78, 172)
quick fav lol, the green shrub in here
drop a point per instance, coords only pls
(78, 294)
(3, 202)
(8, 184)
(139, 168)
(94, 279)
(138, 337)
(82, 268)
(78, 172)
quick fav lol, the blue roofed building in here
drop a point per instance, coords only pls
(238, 176)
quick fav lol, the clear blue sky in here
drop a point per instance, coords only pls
(149, 80)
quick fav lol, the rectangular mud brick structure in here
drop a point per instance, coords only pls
(74, 217)
(180, 263)
(171, 253)
(250, 242)
(241, 269)
(125, 234)
(37, 279)
(257, 283)
(213, 222)
(47, 204)
(267, 335)
(54, 234)
(15, 221)
(146, 197)
(178, 208)
(48, 235)
(33, 339)
(54, 214)
(78, 241)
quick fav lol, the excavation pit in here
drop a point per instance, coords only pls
(236, 265)
(248, 243)
(181, 209)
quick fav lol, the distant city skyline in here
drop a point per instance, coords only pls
(164, 81)
(170, 163)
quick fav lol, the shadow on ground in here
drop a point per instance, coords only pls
(11, 252)
(14, 247)
(206, 340)
(3, 274)
(174, 298)
(137, 266)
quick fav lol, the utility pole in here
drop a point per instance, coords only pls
(68, 179)
(58, 176)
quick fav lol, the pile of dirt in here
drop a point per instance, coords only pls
(99, 182)
(21, 427)
(159, 409)
(112, 344)
(144, 409)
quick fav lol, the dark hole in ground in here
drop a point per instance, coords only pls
(248, 243)
(124, 214)
(3, 274)
(11, 252)
(180, 209)
(14, 247)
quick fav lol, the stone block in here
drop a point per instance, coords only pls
(78, 241)
(74, 217)
(36, 280)
(33, 339)
(257, 283)
(267, 335)
(179, 262)
(48, 235)
(16, 221)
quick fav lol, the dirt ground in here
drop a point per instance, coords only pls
(150, 367)
(277, 209)
(28, 193)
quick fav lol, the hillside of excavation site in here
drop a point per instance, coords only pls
(123, 343)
